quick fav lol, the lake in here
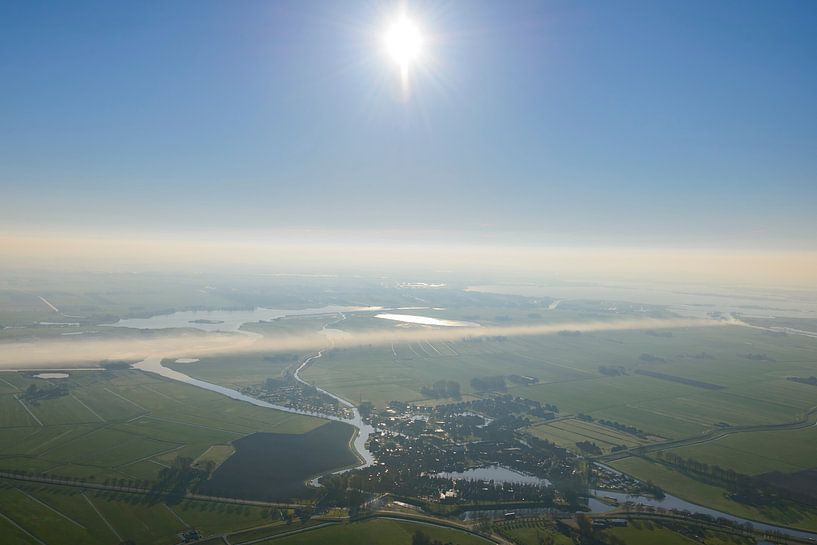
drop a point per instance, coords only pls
(425, 320)
(51, 375)
(226, 320)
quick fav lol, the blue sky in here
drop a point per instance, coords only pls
(662, 123)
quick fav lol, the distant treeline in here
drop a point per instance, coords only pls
(37, 393)
(649, 358)
(757, 357)
(281, 358)
(113, 365)
(632, 430)
(497, 338)
(680, 380)
(612, 370)
(522, 379)
(442, 389)
(812, 380)
(484, 384)
(746, 489)
(653, 333)
(589, 447)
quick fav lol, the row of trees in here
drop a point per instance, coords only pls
(35, 393)
(442, 389)
(485, 384)
(743, 488)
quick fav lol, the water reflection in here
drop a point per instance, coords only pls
(496, 473)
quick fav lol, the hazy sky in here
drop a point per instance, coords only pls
(688, 122)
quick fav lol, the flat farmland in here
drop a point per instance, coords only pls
(56, 514)
(13, 413)
(695, 379)
(753, 453)
(378, 531)
(568, 432)
(690, 489)
(125, 427)
(115, 425)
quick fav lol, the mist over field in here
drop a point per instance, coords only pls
(78, 352)
(408, 272)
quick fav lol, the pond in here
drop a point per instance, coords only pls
(51, 375)
(496, 473)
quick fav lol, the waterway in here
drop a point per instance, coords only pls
(496, 473)
(154, 365)
(230, 320)
(672, 502)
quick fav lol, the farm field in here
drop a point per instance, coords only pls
(526, 532)
(695, 381)
(695, 491)
(649, 536)
(379, 531)
(691, 391)
(615, 389)
(754, 453)
(566, 433)
(123, 425)
(56, 514)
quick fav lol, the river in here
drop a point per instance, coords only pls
(227, 320)
(673, 502)
(153, 364)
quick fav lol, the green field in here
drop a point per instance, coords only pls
(568, 432)
(680, 384)
(715, 497)
(651, 533)
(758, 452)
(124, 425)
(120, 428)
(531, 532)
(55, 514)
(705, 380)
(376, 532)
(753, 392)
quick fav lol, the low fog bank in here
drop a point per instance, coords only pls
(81, 353)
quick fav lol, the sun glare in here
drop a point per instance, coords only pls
(404, 42)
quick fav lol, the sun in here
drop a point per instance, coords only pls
(404, 42)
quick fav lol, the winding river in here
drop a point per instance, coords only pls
(226, 320)
(154, 365)
(230, 321)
